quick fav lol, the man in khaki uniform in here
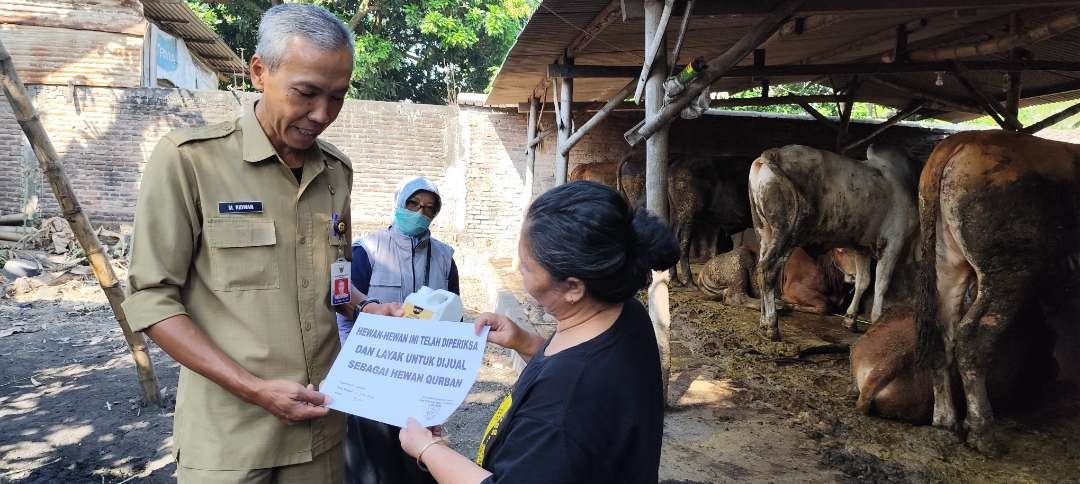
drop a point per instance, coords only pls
(230, 266)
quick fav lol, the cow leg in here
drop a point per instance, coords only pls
(976, 337)
(862, 281)
(954, 276)
(774, 255)
(883, 277)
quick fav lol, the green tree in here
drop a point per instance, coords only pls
(421, 51)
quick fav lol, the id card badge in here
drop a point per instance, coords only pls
(339, 282)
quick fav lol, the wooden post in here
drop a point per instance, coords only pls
(565, 125)
(31, 125)
(990, 106)
(846, 107)
(759, 61)
(656, 158)
(1012, 94)
(530, 167)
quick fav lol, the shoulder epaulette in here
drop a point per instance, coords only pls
(334, 152)
(199, 133)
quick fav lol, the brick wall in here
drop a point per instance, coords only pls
(475, 155)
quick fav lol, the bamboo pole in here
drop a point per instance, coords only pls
(580, 133)
(28, 119)
(1034, 35)
(716, 68)
(565, 126)
(652, 49)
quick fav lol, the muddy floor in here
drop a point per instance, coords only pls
(813, 394)
(743, 410)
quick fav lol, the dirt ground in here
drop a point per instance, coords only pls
(745, 409)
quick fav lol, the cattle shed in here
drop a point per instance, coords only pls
(952, 60)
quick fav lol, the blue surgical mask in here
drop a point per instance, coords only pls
(410, 223)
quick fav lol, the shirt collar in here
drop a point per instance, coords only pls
(257, 146)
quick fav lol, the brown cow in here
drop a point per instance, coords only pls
(813, 285)
(891, 385)
(999, 216)
(602, 172)
(707, 198)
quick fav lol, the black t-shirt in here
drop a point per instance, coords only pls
(592, 413)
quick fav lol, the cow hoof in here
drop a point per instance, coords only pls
(851, 324)
(771, 333)
(986, 443)
(948, 434)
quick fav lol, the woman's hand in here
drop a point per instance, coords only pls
(507, 334)
(414, 437)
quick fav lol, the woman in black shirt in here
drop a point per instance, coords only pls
(589, 406)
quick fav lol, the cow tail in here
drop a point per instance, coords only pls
(772, 160)
(929, 345)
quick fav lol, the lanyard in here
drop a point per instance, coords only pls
(427, 268)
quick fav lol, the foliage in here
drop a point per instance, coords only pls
(424, 52)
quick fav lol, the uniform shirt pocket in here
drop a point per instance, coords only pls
(242, 254)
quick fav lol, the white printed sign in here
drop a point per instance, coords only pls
(390, 369)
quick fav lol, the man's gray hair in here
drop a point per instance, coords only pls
(311, 22)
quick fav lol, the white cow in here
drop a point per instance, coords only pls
(802, 196)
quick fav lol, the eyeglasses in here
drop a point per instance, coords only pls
(429, 210)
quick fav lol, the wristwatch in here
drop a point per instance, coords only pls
(365, 302)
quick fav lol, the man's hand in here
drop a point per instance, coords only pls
(290, 401)
(385, 309)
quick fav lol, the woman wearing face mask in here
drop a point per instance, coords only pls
(389, 265)
(588, 408)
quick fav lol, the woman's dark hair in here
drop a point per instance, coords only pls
(586, 230)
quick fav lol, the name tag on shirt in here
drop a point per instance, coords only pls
(240, 207)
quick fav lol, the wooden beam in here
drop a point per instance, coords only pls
(716, 68)
(732, 102)
(870, 68)
(992, 107)
(812, 111)
(608, 15)
(816, 70)
(1052, 119)
(810, 7)
(918, 94)
(608, 108)
(27, 117)
(560, 70)
(585, 107)
(652, 48)
(1039, 33)
(901, 115)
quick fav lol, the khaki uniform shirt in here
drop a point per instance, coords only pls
(257, 283)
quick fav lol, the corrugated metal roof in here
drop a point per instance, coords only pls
(174, 17)
(838, 36)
